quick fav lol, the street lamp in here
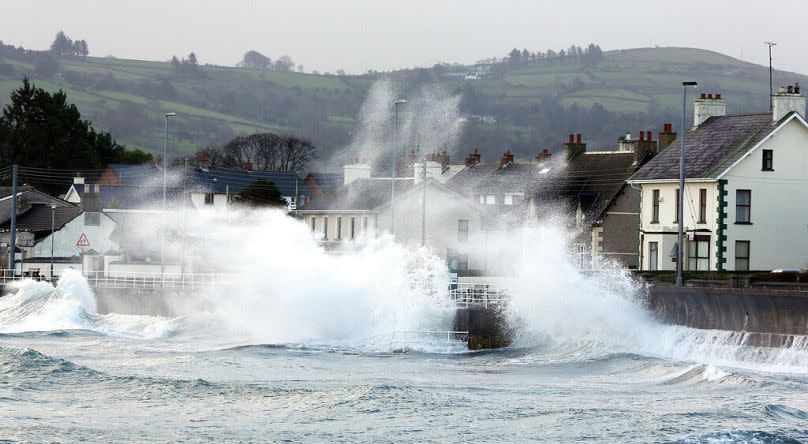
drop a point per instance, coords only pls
(53, 225)
(680, 209)
(393, 169)
(165, 183)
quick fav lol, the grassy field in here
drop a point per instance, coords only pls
(128, 97)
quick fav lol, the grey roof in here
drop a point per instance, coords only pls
(359, 195)
(711, 148)
(593, 179)
(234, 180)
(37, 218)
(135, 174)
(491, 178)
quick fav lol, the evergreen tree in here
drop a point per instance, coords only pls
(261, 193)
(62, 45)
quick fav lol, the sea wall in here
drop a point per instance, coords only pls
(772, 315)
(147, 301)
(487, 327)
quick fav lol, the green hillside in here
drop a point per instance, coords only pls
(534, 104)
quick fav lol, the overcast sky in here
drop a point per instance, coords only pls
(358, 35)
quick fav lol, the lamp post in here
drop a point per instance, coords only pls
(53, 225)
(680, 209)
(165, 183)
(393, 169)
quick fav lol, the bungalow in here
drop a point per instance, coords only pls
(743, 178)
(361, 207)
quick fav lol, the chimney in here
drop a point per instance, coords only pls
(78, 179)
(574, 147)
(433, 170)
(248, 166)
(507, 158)
(355, 172)
(644, 148)
(624, 143)
(707, 106)
(666, 137)
(474, 158)
(788, 100)
(543, 156)
(91, 198)
(204, 162)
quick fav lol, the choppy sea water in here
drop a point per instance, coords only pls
(68, 374)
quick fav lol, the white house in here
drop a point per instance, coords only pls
(361, 207)
(743, 201)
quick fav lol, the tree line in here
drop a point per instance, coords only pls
(255, 60)
(64, 46)
(591, 55)
(264, 151)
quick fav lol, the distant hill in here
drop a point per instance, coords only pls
(521, 108)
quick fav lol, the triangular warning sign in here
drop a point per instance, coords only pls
(83, 241)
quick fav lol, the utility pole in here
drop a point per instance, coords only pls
(423, 208)
(393, 169)
(53, 226)
(771, 91)
(681, 208)
(12, 247)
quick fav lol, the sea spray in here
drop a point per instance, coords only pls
(286, 288)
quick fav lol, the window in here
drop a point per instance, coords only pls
(768, 160)
(92, 219)
(339, 228)
(313, 223)
(508, 199)
(292, 203)
(491, 199)
(208, 198)
(462, 230)
(653, 256)
(703, 206)
(655, 203)
(352, 228)
(743, 206)
(676, 209)
(325, 227)
(456, 260)
(698, 253)
(365, 225)
(741, 255)
(482, 199)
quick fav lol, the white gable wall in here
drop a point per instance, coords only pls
(778, 234)
(66, 238)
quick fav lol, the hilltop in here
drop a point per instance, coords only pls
(522, 108)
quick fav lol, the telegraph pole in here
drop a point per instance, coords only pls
(771, 91)
(12, 247)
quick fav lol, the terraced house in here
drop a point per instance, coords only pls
(744, 198)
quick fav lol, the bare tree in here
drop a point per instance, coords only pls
(265, 151)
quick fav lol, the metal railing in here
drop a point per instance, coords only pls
(129, 279)
(403, 340)
(478, 295)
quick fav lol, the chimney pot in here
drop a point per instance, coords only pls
(642, 136)
(782, 89)
(703, 95)
(718, 96)
(578, 138)
(790, 89)
(650, 136)
(572, 138)
(797, 88)
(248, 166)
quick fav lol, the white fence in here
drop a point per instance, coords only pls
(478, 295)
(132, 279)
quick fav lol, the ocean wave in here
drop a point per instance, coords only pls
(739, 437)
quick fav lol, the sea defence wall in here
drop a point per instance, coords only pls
(147, 301)
(487, 327)
(772, 317)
